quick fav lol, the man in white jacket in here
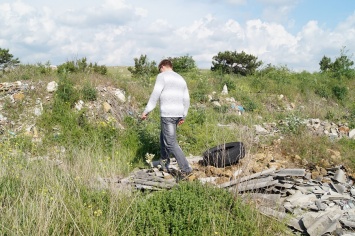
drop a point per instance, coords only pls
(171, 90)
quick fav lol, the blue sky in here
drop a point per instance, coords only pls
(292, 33)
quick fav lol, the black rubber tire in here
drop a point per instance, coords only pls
(224, 154)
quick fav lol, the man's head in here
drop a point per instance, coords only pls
(164, 65)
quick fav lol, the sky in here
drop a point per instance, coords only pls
(291, 33)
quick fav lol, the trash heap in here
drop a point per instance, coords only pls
(312, 206)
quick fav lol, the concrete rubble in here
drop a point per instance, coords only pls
(321, 206)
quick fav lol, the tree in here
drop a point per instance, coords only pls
(183, 63)
(237, 63)
(143, 68)
(325, 64)
(81, 65)
(342, 66)
(7, 60)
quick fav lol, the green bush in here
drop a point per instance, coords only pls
(248, 104)
(89, 93)
(143, 69)
(195, 209)
(340, 92)
(66, 91)
(230, 83)
(292, 125)
(183, 63)
(102, 70)
(199, 92)
(81, 65)
(323, 91)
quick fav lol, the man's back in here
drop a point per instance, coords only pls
(171, 90)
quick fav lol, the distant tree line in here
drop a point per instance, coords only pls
(227, 62)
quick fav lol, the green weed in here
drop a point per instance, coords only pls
(195, 209)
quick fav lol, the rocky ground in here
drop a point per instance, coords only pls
(326, 191)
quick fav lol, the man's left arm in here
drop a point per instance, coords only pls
(186, 103)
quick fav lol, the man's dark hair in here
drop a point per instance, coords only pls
(165, 62)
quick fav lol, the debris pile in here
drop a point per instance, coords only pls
(314, 206)
(311, 205)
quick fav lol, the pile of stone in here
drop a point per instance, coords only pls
(315, 126)
(312, 206)
(12, 87)
(309, 205)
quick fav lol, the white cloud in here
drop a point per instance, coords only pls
(237, 2)
(114, 32)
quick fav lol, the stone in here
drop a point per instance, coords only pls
(291, 172)
(216, 103)
(120, 95)
(79, 105)
(225, 90)
(38, 107)
(18, 96)
(260, 130)
(52, 87)
(340, 176)
(352, 133)
(107, 107)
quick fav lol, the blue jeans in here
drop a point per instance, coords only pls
(169, 144)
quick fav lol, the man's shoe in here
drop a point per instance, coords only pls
(164, 165)
(183, 176)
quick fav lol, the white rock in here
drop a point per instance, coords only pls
(216, 103)
(352, 133)
(120, 95)
(38, 108)
(260, 130)
(225, 90)
(52, 87)
(79, 105)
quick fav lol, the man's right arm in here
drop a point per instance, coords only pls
(154, 97)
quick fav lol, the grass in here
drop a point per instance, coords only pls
(50, 184)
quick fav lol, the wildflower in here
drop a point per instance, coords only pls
(98, 213)
(149, 158)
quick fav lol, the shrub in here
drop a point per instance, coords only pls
(196, 209)
(249, 104)
(102, 70)
(81, 65)
(292, 125)
(183, 63)
(143, 69)
(89, 93)
(340, 92)
(323, 91)
(66, 91)
(230, 83)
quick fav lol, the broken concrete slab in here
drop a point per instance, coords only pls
(339, 188)
(253, 185)
(290, 172)
(340, 176)
(319, 224)
(245, 178)
(282, 216)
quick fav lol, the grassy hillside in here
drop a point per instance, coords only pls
(51, 162)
